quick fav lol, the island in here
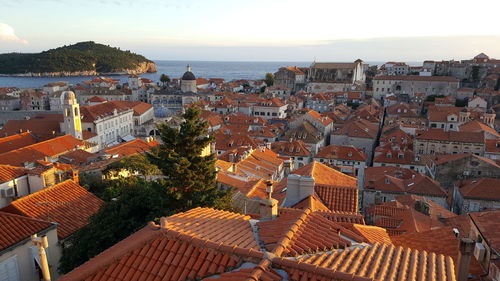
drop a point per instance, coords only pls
(80, 59)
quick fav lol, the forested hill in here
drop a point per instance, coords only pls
(80, 58)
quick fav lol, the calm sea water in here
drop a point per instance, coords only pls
(206, 69)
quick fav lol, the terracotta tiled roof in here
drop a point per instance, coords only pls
(380, 262)
(163, 253)
(373, 234)
(138, 107)
(489, 226)
(312, 202)
(341, 152)
(402, 217)
(8, 173)
(96, 99)
(77, 157)
(448, 245)
(39, 151)
(293, 148)
(336, 190)
(227, 142)
(250, 273)
(217, 226)
(39, 126)
(324, 175)
(16, 228)
(132, 147)
(405, 181)
(16, 141)
(358, 128)
(482, 188)
(492, 146)
(305, 233)
(475, 126)
(66, 203)
(93, 112)
(451, 136)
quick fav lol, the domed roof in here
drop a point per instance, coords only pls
(69, 95)
(188, 75)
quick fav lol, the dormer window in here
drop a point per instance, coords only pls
(401, 156)
(389, 155)
(387, 181)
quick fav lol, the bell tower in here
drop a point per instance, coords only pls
(72, 121)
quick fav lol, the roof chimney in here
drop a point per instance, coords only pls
(268, 206)
(464, 256)
(163, 222)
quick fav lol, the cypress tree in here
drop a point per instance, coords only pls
(190, 177)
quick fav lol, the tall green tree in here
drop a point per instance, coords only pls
(190, 176)
(189, 180)
(269, 79)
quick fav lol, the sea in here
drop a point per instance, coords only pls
(229, 70)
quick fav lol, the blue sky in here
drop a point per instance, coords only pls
(262, 30)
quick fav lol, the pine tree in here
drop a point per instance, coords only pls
(190, 177)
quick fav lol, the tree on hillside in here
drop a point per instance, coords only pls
(190, 177)
(189, 180)
(269, 79)
(164, 79)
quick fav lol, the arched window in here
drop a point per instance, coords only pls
(67, 111)
(76, 111)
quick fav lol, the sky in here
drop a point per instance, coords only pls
(259, 30)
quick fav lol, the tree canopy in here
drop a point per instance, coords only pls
(188, 180)
(269, 79)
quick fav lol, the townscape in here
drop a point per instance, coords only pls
(336, 171)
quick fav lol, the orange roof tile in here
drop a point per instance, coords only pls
(380, 262)
(217, 226)
(17, 228)
(181, 250)
(341, 152)
(39, 151)
(482, 188)
(66, 203)
(16, 141)
(132, 147)
(489, 226)
(8, 173)
(448, 245)
(373, 234)
(324, 175)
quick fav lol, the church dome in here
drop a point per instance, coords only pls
(69, 95)
(188, 75)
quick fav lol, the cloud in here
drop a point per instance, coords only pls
(7, 34)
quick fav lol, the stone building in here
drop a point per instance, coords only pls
(449, 168)
(384, 184)
(475, 195)
(411, 84)
(437, 141)
(292, 77)
(335, 77)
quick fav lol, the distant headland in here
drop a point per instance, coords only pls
(81, 59)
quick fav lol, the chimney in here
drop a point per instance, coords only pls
(163, 222)
(465, 253)
(268, 145)
(287, 166)
(298, 188)
(268, 206)
(42, 243)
